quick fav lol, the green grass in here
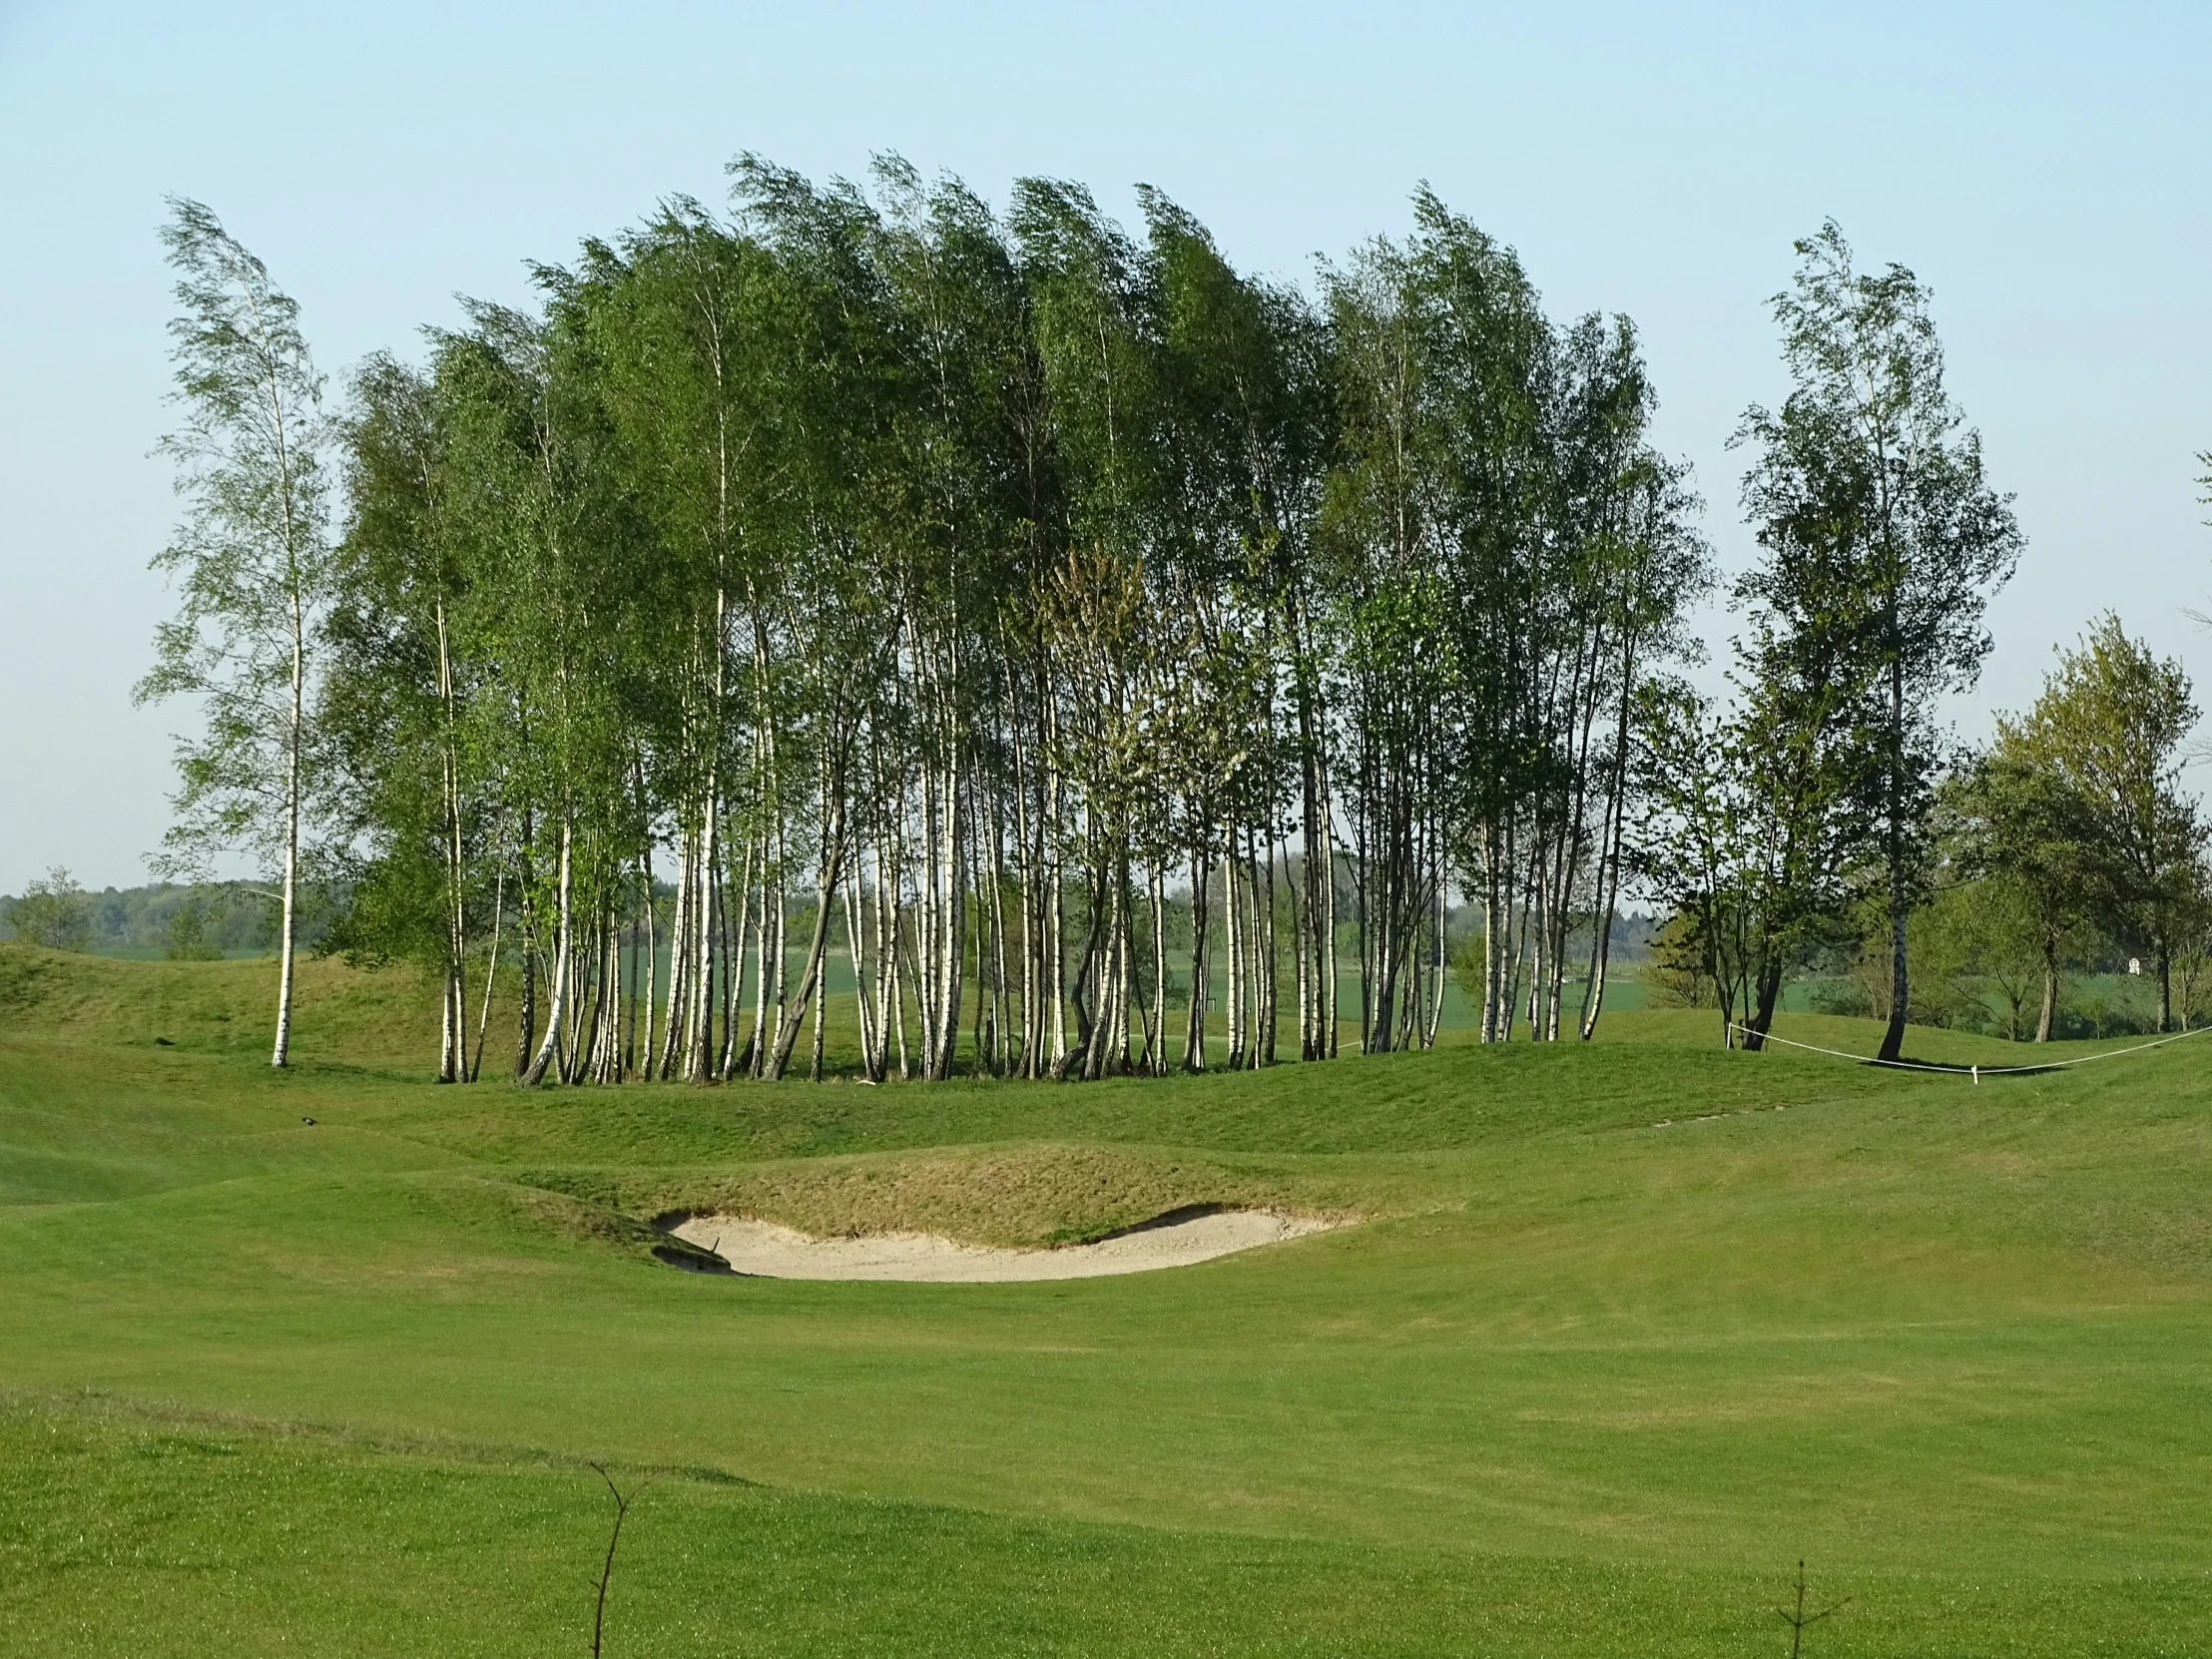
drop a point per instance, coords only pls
(1636, 1324)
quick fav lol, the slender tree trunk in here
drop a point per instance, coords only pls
(730, 948)
(1328, 926)
(954, 930)
(1609, 854)
(1893, 1039)
(1025, 876)
(1363, 894)
(970, 874)
(1056, 962)
(1493, 928)
(899, 1009)
(1768, 989)
(699, 1056)
(450, 1029)
(652, 960)
(526, 1008)
(1232, 939)
(1437, 944)
(296, 735)
(2051, 989)
(809, 984)
(453, 1055)
(678, 954)
(1272, 970)
(491, 971)
(1255, 992)
(764, 942)
(733, 937)
(1123, 942)
(1193, 1027)
(1301, 974)
(606, 1041)
(855, 899)
(557, 980)
(634, 934)
(1156, 1043)
(1317, 918)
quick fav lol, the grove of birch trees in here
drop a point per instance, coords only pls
(1116, 662)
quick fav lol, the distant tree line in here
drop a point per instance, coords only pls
(1008, 605)
(179, 921)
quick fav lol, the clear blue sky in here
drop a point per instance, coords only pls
(2048, 170)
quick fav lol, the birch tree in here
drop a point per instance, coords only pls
(1869, 483)
(252, 562)
(398, 699)
(2110, 819)
(1089, 309)
(851, 572)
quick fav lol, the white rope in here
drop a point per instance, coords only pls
(1975, 1072)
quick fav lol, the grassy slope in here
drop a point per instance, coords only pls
(1590, 1386)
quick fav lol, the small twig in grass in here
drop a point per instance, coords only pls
(1797, 1621)
(607, 1568)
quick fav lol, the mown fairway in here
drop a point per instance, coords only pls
(1586, 1386)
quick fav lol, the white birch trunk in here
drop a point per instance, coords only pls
(557, 980)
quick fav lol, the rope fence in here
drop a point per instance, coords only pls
(1975, 1072)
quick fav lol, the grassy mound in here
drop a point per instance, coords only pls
(340, 1015)
(1018, 1197)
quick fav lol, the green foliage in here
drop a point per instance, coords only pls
(249, 560)
(2078, 820)
(252, 565)
(1884, 542)
(1469, 965)
(987, 583)
(1676, 975)
(1951, 940)
(135, 922)
(54, 912)
(1997, 935)
(2107, 735)
(188, 939)
(1739, 839)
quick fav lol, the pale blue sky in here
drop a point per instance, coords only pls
(2048, 170)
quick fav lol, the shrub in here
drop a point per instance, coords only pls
(1672, 976)
(188, 939)
(55, 912)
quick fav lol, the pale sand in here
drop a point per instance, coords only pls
(765, 1249)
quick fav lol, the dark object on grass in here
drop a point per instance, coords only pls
(163, 1042)
(1797, 1621)
(690, 1261)
(309, 1122)
(607, 1569)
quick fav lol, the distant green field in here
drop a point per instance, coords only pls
(1633, 1326)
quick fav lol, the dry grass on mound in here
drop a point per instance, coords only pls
(353, 1016)
(1022, 1198)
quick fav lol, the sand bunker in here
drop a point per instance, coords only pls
(765, 1249)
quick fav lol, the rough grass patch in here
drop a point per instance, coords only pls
(1024, 1196)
